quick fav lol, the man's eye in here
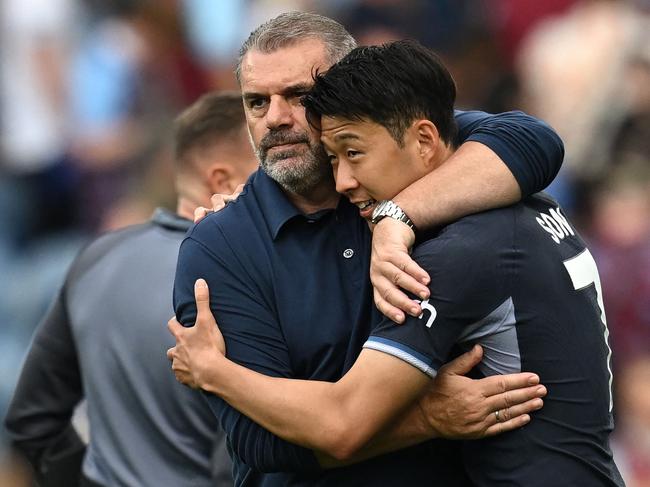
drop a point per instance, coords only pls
(352, 153)
(256, 103)
(331, 158)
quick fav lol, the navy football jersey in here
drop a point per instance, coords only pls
(520, 282)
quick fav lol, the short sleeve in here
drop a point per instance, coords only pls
(467, 284)
(530, 148)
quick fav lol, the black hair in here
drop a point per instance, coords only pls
(392, 84)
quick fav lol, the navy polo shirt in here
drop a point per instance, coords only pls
(292, 297)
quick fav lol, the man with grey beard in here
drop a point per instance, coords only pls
(288, 262)
(299, 179)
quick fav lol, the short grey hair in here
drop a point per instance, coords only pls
(291, 27)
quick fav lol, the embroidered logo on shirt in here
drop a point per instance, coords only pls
(427, 307)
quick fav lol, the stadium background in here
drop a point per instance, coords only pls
(88, 89)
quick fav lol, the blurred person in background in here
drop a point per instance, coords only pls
(619, 233)
(580, 71)
(103, 340)
(632, 441)
(37, 178)
(130, 74)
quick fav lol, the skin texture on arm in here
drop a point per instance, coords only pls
(338, 419)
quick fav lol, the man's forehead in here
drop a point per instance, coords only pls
(296, 62)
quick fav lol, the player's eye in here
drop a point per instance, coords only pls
(255, 103)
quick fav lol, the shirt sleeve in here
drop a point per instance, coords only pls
(49, 388)
(530, 148)
(253, 338)
(468, 285)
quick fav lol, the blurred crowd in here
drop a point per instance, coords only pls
(89, 88)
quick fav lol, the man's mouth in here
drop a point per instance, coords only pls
(366, 208)
(281, 147)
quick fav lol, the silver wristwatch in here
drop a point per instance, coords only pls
(387, 208)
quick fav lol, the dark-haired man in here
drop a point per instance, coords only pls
(288, 262)
(102, 339)
(518, 281)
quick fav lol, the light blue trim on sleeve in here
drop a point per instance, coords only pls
(401, 351)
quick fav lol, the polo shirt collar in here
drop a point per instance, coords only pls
(170, 220)
(274, 204)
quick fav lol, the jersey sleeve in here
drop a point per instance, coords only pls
(253, 338)
(39, 419)
(468, 287)
(530, 148)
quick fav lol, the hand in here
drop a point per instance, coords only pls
(197, 346)
(219, 202)
(391, 268)
(458, 407)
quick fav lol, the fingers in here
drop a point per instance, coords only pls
(401, 271)
(498, 384)
(463, 364)
(200, 213)
(219, 201)
(202, 299)
(174, 326)
(509, 399)
(511, 424)
(387, 309)
(170, 354)
(512, 417)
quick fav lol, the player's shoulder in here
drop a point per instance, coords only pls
(217, 225)
(108, 243)
(478, 233)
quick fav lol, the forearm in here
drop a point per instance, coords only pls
(308, 413)
(408, 429)
(473, 179)
(335, 418)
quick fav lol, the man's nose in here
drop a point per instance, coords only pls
(279, 114)
(345, 180)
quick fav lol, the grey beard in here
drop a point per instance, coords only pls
(301, 179)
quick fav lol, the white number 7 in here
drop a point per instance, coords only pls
(583, 272)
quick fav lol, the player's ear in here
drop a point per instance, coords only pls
(220, 178)
(428, 139)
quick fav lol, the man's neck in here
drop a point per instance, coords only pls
(185, 207)
(323, 198)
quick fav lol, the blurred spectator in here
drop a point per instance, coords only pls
(131, 73)
(36, 40)
(620, 240)
(632, 440)
(575, 74)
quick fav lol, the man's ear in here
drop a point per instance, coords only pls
(428, 139)
(220, 179)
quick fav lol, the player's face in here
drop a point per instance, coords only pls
(272, 85)
(368, 164)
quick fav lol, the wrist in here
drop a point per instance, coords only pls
(389, 209)
(211, 377)
(394, 228)
(425, 427)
